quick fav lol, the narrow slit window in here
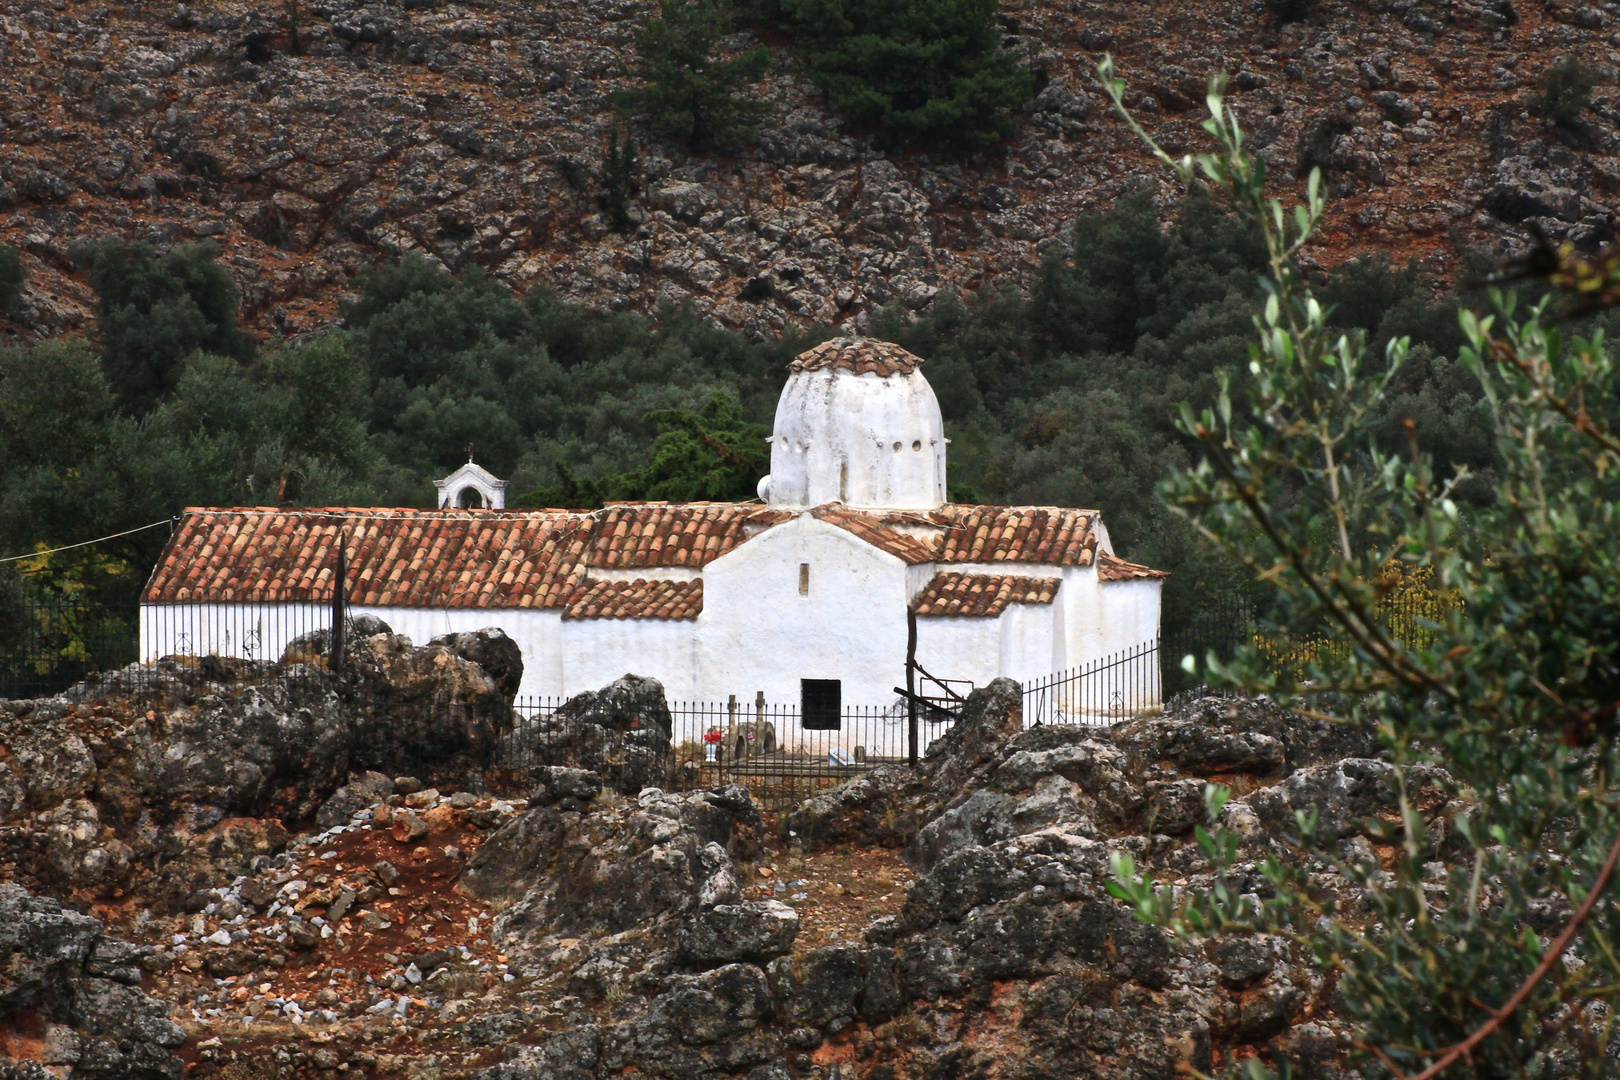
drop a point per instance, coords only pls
(804, 579)
(821, 704)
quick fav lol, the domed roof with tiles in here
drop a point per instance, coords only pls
(862, 355)
(857, 424)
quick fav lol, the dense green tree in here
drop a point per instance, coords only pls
(915, 70)
(618, 180)
(689, 86)
(711, 454)
(13, 277)
(153, 309)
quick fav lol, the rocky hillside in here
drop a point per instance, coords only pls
(948, 921)
(316, 137)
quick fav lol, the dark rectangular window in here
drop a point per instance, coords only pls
(821, 704)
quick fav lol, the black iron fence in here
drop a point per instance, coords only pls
(768, 748)
(1111, 688)
(50, 644)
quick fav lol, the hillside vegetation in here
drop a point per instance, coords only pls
(868, 154)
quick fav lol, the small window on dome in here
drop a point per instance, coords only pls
(916, 444)
(897, 448)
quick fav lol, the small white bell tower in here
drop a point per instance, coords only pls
(471, 487)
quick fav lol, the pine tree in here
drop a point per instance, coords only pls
(690, 88)
(930, 70)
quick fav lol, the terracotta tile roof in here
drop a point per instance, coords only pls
(637, 535)
(539, 558)
(638, 599)
(406, 558)
(1113, 568)
(1054, 535)
(875, 532)
(986, 595)
(861, 355)
(434, 558)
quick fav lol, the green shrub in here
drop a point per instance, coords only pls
(618, 180)
(154, 309)
(915, 70)
(710, 454)
(13, 276)
(689, 88)
(1290, 10)
(1566, 91)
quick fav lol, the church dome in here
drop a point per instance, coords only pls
(858, 424)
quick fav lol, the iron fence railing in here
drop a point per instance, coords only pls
(48, 645)
(1111, 688)
(766, 747)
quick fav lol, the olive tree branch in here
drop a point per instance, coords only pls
(1463, 1049)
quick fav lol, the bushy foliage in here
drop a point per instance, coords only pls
(1481, 946)
(690, 87)
(1566, 91)
(154, 309)
(711, 454)
(618, 180)
(1290, 10)
(13, 277)
(914, 70)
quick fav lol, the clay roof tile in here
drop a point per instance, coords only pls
(950, 593)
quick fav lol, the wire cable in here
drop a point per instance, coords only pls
(85, 543)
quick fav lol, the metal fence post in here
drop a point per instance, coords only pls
(339, 604)
(911, 688)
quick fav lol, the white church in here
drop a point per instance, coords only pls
(811, 589)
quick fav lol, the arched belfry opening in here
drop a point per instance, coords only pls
(471, 487)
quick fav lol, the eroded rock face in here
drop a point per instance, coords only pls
(621, 733)
(79, 990)
(649, 865)
(189, 767)
(1009, 957)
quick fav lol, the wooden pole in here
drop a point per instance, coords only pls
(911, 686)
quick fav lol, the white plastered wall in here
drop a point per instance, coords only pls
(249, 631)
(594, 652)
(862, 440)
(1130, 612)
(1021, 643)
(758, 632)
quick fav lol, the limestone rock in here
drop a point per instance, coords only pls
(166, 775)
(494, 652)
(755, 931)
(61, 968)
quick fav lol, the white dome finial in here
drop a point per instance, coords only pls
(858, 424)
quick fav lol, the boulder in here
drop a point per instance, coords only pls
(754, 931)
(63, 974)
(620, 732)
(560, 784)
(1213, 736)
(629, 703)
(879, 808)
(117, 783)
(353, 797)
(494, 652)
(716, 1005)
